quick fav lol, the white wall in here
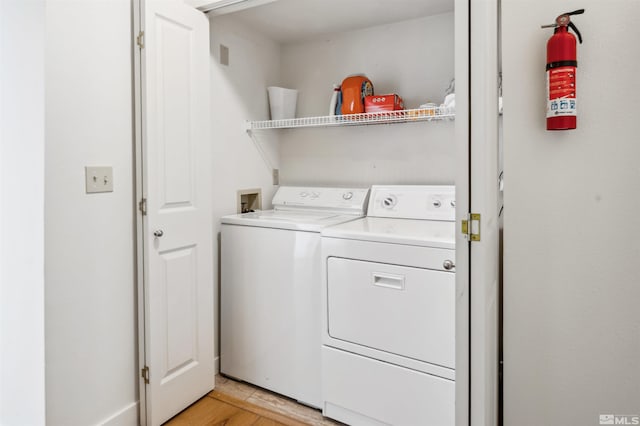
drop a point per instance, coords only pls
(22, 351)
(238, 93)
(91, 348)
(571, 291)
(414, 59)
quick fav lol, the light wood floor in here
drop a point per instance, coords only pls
(236, 403)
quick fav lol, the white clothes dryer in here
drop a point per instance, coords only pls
(271, 289)
(389, 310)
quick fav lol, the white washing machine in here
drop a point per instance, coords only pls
(271, 289)
(388, 355)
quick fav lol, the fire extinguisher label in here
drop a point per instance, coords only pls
(561, 91)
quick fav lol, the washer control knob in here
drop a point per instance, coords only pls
(315, 194)
(448, 265)
(159, 233)
(437, 203)
(304, 194)
(453, 203)
(389, 202)
(347, 195)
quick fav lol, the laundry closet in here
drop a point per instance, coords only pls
(404, 48)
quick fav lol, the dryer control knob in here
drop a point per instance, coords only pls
(304, 194)
(448, 265)
(347, 195)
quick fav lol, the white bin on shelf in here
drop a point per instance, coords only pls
(282, 102)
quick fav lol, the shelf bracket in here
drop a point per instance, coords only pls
(260, 149)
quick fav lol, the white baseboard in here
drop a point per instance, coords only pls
(128, 416)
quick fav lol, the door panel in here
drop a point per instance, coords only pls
(173, 77)
(181, 306)
(421, 324)
(178, 229)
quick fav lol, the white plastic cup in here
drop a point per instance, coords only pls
(282, 102)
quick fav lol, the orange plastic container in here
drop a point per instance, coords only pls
(354, 90)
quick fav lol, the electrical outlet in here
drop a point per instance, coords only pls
(276, 176)
(98, 179)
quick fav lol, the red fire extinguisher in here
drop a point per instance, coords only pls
(562, 62)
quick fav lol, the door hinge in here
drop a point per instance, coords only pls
(142, 206)
(140, 40)
(145, 374)
(471, 227)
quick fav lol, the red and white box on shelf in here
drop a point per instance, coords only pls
(383, 103)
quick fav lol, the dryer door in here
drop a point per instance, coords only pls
(401, 310)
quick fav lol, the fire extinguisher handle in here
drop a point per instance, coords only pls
(575, 12)
(575, 29)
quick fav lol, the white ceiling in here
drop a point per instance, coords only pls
(286, 21)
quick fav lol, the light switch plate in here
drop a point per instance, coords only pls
(98, 179)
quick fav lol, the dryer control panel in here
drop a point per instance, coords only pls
(426, 202)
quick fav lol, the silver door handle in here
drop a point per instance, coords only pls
(159, 233)
(448, 265)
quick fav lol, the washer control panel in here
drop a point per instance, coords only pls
(428, 202)
(348, 200)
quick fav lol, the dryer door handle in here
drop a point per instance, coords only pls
(392, 281)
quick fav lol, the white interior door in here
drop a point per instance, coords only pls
(484, 188)
(463, 206)
(177, 230)
(477, 271)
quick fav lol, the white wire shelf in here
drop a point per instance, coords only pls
(387, 117)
